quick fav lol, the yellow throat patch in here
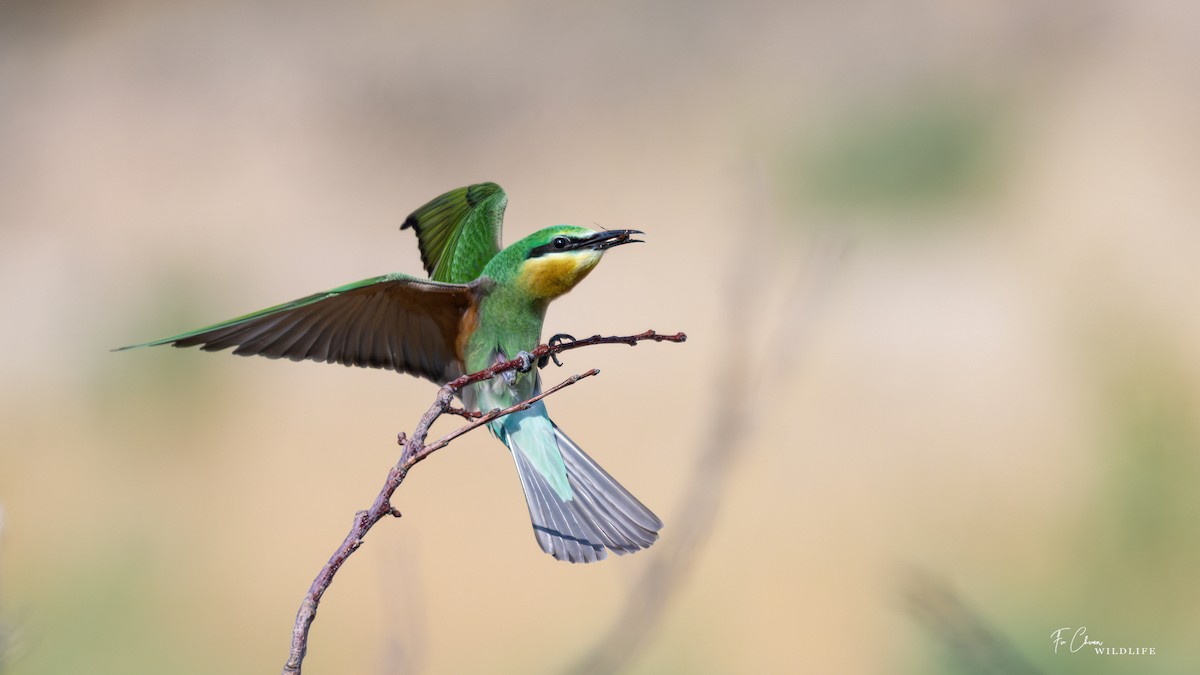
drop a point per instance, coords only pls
(551, 275)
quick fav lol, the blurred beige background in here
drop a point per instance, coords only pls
(998, 387)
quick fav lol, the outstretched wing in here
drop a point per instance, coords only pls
(395, 321)
(459, 232)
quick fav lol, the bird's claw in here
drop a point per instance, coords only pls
(526, 360)
(558, 339)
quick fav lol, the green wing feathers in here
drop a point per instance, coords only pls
(459, 231)
(394, 321)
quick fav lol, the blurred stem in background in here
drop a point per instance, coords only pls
(4, 631)
(970, 643)
(915, 156)
(741, 382)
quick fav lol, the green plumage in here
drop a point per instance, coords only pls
(481, 305)
(459, 232)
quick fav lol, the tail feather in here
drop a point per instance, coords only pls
(585, 469)
(559, 531)
(601, 515)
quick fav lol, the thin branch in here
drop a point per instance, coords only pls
(558, 348)
(496, 413)
(415, 450)
(463, 413)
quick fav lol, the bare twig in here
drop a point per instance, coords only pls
(415, 450)
(463, 413)
(484, 419)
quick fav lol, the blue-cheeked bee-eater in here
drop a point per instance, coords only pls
(481, 306)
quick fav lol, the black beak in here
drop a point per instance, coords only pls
(610, 238)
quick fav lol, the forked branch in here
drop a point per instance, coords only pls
(415, 450)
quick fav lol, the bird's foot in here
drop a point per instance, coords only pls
(558, 339)
(526, 360)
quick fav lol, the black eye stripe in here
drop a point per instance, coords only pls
(557, 245)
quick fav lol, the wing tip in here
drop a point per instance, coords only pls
(154, 343)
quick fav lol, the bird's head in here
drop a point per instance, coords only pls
(550, 262)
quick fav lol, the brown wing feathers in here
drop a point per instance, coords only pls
(392, 322)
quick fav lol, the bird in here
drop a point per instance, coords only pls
(481, 305)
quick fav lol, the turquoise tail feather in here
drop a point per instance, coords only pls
(596, 514)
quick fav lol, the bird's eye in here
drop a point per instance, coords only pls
(560, 242)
